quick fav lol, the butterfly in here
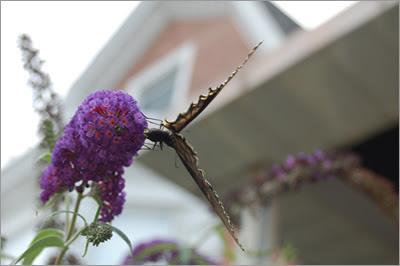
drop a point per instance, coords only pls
(186, 153)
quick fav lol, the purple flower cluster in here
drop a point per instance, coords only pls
(319, 164)
(304, 167)
(102, 137)
(167, 251)
(296, 169)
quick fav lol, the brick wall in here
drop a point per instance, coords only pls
(220, 49)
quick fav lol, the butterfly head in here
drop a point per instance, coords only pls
(145, 133)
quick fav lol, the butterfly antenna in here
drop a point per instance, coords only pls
(153, 123)
(240, 67)
(161, 124)
(150, 118)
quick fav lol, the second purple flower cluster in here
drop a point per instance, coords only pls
(102, 137)
(270, 181)
(165, 251)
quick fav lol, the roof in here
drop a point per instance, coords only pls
(130, 42)
(329, 88)
(287, 24)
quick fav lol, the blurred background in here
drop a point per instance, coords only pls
(326, 77)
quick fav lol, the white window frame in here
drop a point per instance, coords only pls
(180, 59)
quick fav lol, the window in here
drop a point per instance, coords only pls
(160, 89)
(157, 97)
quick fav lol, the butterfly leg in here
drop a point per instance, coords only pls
(155, 144)
(149, 119)
(152, 146)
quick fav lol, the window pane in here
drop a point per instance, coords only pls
(158, 96)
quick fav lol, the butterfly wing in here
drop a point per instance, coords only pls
(189, 160)
(195, 109)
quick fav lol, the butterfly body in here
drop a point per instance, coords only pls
(159, 135)
(186, 153)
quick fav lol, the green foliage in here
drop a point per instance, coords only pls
(51, 215)
(30, 257)
(49, 134)
(54, 198)
(47, 239)
(45, 156)
(96, 234)
(289, 252)
(120, 234)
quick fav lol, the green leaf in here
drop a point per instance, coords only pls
(45, 156)
(185, 254)
(53, 199)
(198, 260)
(34, 250)
(86, 248)
(42, 234)
(51, 215)
(47, 232)
(121, 235)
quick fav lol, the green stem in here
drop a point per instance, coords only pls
(73, 238)
(67, 214)
(97, 213)
(71, 230)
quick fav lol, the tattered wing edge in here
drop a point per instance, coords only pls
(203, 98)
(203, 183)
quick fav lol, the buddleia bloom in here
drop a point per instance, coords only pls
(290, 174)
(102, 137)
(161, 251)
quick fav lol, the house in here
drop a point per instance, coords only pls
(331, 88)
(184, 49)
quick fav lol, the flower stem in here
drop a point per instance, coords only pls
(70, 231)
(67, 214)
(96, 217)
